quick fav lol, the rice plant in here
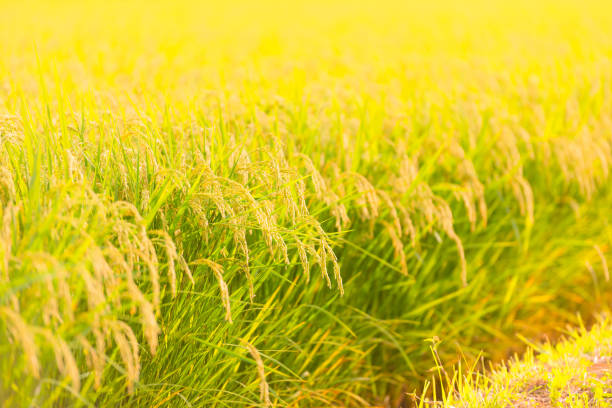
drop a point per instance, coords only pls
(270, 204)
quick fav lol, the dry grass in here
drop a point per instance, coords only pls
(576, 372)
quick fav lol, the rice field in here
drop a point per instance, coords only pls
(285, 203)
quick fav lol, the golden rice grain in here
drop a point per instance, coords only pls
(264, 388)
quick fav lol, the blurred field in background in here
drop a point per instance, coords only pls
(269, 204)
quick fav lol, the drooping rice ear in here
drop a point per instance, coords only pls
(128, 349)
(264, 388)
(95, 361)
(218, 271)
(25, 336)
(604, 262)
(65, 361)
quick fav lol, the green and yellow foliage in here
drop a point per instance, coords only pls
(276, 203)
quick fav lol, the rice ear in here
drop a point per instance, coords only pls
(65, 361)
(94, 360)
(128, 349)
(218, 271)
(264, 388)
(22, 333)
(604, 262)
